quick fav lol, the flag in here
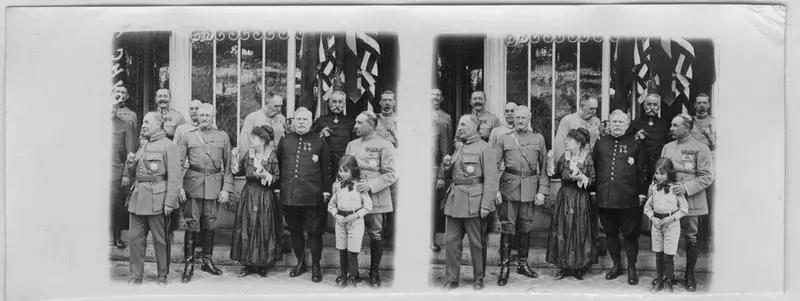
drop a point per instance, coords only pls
(368, 52)
(327, 69)
(683, 59)
(641, 62)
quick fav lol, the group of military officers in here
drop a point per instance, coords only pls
(176, 166)
(504, 171)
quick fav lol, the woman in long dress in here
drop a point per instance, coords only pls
(256, 231)
(571, 244)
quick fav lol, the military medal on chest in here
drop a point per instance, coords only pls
(336, 120)
(153, 166)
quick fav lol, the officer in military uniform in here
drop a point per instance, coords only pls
(694, 168)
(172, 118)
(123, 112)
(123, 142)
(375, 157)
(182, 129)
(508, 128)
(524, 180)
(443, 145)
(157, 174)
(336, 129)
(652, 132)
(206, 183)
(305, 187)
(621, 189)
(488, 120)
(471, 197)
(387, 120)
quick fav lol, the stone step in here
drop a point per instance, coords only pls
(222, 249)
(538, 252)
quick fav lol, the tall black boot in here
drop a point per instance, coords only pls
(632, 253)
(315, 244)
(376, 252)
(352, 270)
(691, 261)
(341, 280)
(188, 255)
(613, 245)
(669, 271)
(208, 249)
(505, 260)
(658, 281)
(522, 256)
(298, 245)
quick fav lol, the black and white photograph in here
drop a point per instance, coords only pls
(343, 150)
(528, 129)
(248, 152)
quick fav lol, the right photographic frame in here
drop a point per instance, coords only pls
(564, 161)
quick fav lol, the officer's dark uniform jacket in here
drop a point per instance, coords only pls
(620, 169)
(341, 129)
(209, 158)
(474, 179)
(303, 163)
(657, 135)
(158, 177)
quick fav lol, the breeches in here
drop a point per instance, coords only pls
(665, 238)
(374, 225)
(200, 214)
(515, 216)
(689, 226)
(305, 218)
(625, 221)
(349, 235)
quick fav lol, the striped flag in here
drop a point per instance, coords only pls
(683, 57)
(327, 68)
(368, 51)
(641, 62)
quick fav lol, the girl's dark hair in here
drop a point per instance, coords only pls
(264, 132)
(348, 162)
(665, 165)
(580, 134)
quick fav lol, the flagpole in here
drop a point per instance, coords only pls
(633, 82)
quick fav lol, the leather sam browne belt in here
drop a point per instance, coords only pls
(205, 171)
(468, 181)
(523, 174)
(151, 178)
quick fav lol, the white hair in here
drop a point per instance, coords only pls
(302, 110)
(620, 113)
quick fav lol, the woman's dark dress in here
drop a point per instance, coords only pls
(256, 229)
(573, 228)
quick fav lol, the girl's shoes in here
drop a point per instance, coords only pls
(351, 281)
(262, 271)
(578, 274)
(246, 270)
(560, 273)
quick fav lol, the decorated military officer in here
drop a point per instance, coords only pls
(336, 129)
(207, 182)
(621, 190)
(471, 197)
(305, 187)
(172, 118)
(523, 154)
(375, 157)
(156, 170)
(694, 168)
(488, 121)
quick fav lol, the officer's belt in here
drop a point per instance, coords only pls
(662, 215)
(206, 171)
(468, 181)
(346, 213)
(151, 178)
(520, 173)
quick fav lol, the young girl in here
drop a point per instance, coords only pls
(348, 206)
(571, 244)
(256, 228)
(664, 210)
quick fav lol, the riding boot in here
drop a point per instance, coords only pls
(208, 249)
(658, 281)
(613, 247)
(341, 280)
(691, 261)
(522, 256)
(352, 270)
(188, 255)
(376, 252)
(505, 260)
(298, 245)
(632, 253)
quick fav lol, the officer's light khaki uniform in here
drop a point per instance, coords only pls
(157, 174)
